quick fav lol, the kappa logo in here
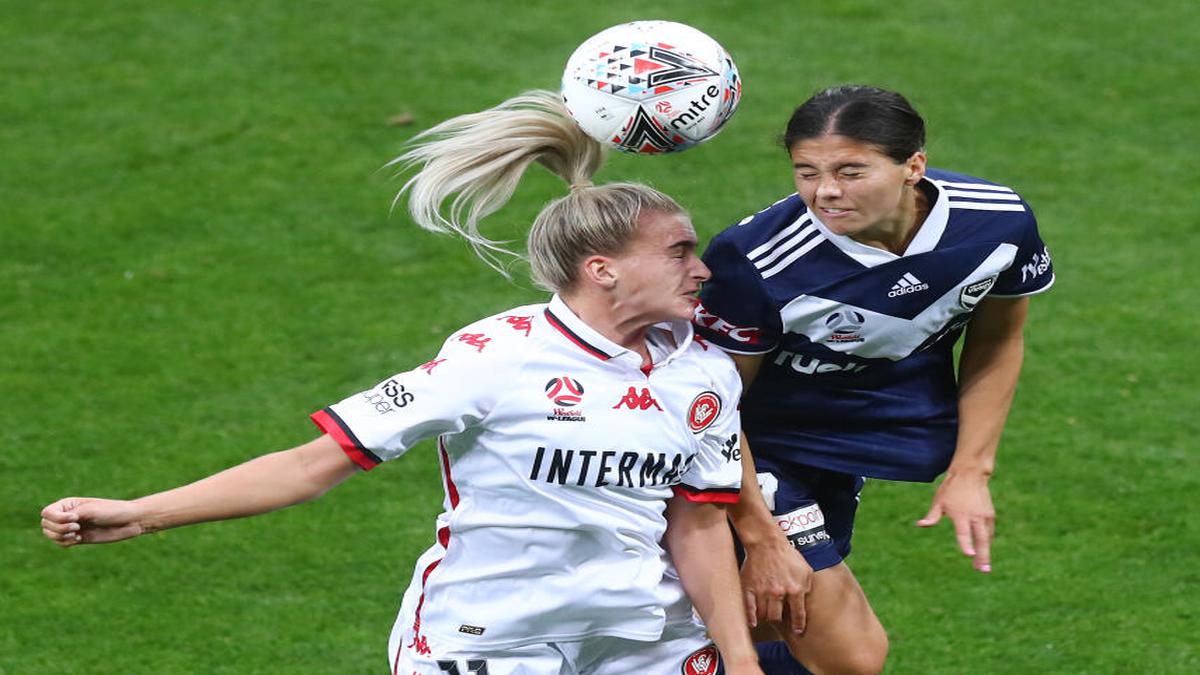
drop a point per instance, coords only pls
(476, 340)
(428, 366)
(971, 294)
(907, 284)
(703, 661)
(635, 400)
(703, 411)
(420, 645)
(521, 323)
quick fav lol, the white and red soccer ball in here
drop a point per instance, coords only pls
(651, 86)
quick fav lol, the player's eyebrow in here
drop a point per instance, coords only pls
(844, 165)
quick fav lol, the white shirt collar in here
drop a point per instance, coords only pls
(590, 340)
(925, 240)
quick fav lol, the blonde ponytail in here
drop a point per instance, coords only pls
(475, 162)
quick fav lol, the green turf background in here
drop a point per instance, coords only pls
(198, 252)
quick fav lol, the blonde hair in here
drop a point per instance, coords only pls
(475, 162)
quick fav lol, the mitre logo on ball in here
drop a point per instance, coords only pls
(651, 87)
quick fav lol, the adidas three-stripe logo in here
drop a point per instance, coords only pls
(787, 246)
(907, 284)
(980, 196)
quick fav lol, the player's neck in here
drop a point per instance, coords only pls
(609, 320)
(896, 233)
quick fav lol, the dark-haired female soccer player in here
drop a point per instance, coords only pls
(841, 304)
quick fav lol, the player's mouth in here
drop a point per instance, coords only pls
(831, 212)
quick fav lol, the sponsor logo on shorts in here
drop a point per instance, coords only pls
(703, 411)
(703, 661)
(804, 527)
(471, 630)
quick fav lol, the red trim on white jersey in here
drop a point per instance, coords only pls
(451, 488)
(443, 533)
(329, 422)
(715, 496)
(570, 335)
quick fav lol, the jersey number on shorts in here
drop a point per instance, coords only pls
(474, 667)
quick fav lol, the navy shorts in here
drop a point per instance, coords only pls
(814, 507)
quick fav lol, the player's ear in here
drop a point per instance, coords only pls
(914, 168)
(599, 270)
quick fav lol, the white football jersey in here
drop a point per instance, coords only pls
(558, 453)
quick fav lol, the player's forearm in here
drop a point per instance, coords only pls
(988, 373)
(751, 518)
(701, 547)
(263, 484)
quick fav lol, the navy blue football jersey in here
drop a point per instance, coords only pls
(858, 369)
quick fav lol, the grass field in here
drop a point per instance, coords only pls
(200, 253)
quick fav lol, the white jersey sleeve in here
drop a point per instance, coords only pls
(715, 472)
(448, 394)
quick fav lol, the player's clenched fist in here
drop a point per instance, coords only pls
(83, 520)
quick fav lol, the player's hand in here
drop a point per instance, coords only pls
(773, 577)
(967, 502)
(83, 520)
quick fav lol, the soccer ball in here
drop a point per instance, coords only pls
(651, 87)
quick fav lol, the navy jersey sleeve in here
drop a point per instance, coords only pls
(1031, 271)
(735, 311)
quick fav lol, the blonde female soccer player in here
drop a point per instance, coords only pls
(581, 440)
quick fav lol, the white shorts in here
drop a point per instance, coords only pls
(684, 649)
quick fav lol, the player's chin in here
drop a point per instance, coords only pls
(685, 309)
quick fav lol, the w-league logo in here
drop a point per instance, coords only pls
(564, 391)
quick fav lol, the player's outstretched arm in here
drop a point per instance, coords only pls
(260, 485)
(987, 379)
(701, 547)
